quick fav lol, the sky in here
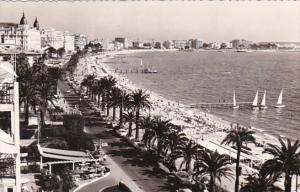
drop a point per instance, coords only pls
(211, 21)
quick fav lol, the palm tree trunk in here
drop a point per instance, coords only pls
(188, 165)
(129, 134)
(107, 111)
(288, 182)
(237, 170)
(103, 102)
(42, 121)
(136, 124)
(26, 108)
(98, 100)
(114, 113)
(158, 147)
(212, 184)
(121, 116)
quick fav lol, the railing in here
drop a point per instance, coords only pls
(6, 93)
(7, 166)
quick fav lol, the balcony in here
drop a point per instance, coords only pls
(6, 93)
(7, 166)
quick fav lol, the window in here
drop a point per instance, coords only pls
(10, 189)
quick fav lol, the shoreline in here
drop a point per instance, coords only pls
(197, 124)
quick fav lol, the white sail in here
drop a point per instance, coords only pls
(263, 101)
(255, 101)
(235, 106)
(279, 101)
(141, 62)
(234, 100)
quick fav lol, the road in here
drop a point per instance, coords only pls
(124, 160)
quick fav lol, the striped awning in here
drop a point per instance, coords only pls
(63, 154)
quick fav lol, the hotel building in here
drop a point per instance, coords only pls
(20, 36)
(80, 40)
(10, 177)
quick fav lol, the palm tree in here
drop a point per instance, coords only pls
(26, 81)
(214, 165)
(44, 92)
(108, 82)
(147, 123)
(238, 137)
(171, 141)
(260, 183)
(122, 105)
(98, 87)
(88, 82)
(129, 117)
(161, 129)
(115, 98)
(187, 151)
(286, 160)
(139, 100)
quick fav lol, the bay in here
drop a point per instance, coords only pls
(212, 76)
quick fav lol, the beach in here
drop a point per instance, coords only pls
(199, 125)
(206, 129)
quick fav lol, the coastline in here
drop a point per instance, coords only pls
(197, 124)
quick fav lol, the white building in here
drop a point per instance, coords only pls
(33, 40)
(10, 174)
(180, 44)
(20, 36)
(80, 40)
(53, 38)
(69, 42)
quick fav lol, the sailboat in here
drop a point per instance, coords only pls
(279, 101)
(255, 101)
(141, 64)
(234, 106)
(148, 69)
(263, 102)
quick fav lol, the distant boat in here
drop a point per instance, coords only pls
(243, 50)
(255, 101)
(279, 101)
(263, 102)
(141, 64)
(234, 106)
(148, 69)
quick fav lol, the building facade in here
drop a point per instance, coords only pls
(52, 38)
(240, 44)
(196, 43)
(180, 44)
(69, 42)
(80, 40)
(20, 36)
(10, 174)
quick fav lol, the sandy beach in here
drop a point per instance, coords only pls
(206, 129)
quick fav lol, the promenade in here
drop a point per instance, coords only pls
(124, 161)
(116, 175)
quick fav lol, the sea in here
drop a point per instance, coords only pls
(210, 76)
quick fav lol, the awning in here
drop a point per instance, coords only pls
(61, 157)
(7, 148)
(63, 154)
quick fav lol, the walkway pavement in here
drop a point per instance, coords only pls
(125, 162)
(116, 175)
